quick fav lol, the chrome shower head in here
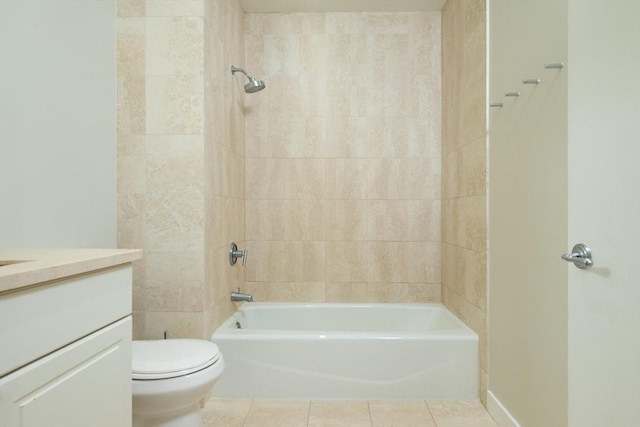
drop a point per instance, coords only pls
(254, 84)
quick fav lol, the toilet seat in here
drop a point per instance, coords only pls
(162, 359)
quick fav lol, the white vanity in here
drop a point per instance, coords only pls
(65, 337)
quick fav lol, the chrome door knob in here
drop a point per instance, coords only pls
(580, 256)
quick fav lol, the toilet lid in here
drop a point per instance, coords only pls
(158, 359)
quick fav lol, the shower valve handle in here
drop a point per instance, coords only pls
(234, 254)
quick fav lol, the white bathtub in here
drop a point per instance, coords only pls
(347, 351)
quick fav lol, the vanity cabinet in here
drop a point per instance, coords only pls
(65, 359)
(81, 384)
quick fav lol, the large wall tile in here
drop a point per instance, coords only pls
(129, 8)
(181, 190)
(346, 261)
(174, 163)
(305, 261)
(175, 7)
(464, 167)
(265, 178)
(286, 291)
(176, 324)
(346, 179)
(404, 220)
(304, 220)
(174, 104)
(131, 55)
(267, 261)
(346, 292)
(131, 220)
(304, 178)
(174, 211)
(131, 106)
(174, 269)
(403, 179)
(403, 292)
(348, 137)
(176, 298)
(265, 219)
(409, 262)
(346, 220)
(349, 149)
(174, 45)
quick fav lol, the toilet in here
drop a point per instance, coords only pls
(171, 378)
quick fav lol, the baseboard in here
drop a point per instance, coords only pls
(499, 412)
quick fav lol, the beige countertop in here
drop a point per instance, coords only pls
(44, 265)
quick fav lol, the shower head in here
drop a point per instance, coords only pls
(254, 84)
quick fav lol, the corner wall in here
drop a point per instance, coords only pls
(223, 156)
(464, 169)
(180, 162)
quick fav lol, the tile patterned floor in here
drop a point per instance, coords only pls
(345, 413)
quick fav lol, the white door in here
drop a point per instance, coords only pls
(565, 343)
(604, 212)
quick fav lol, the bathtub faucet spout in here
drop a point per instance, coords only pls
(239, 296)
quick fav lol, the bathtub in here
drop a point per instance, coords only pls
(347, 351)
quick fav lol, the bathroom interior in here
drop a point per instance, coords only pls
(382, 163)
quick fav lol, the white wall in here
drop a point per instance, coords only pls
(528, 212)
(57, 123)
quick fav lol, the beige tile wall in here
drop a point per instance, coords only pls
(343, 157)
(342, 179)
(464, 168)
(131, 143)
(180, 159)
(224, 156)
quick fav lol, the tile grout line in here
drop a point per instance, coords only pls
(370, 417)
(431, 413)
(246, 417)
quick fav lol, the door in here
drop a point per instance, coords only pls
(564, 342)
(604, 212)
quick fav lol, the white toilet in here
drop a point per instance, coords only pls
(170, 378)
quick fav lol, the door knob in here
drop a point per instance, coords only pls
(580, 256)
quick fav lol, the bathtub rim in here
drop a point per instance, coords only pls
(227, 329)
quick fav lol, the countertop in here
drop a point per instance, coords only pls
(44, 265)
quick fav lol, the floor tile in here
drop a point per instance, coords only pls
(397, 413)
(344, 413)
(460, 413)
(225, 412)
(278, 413)
(339, 413)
